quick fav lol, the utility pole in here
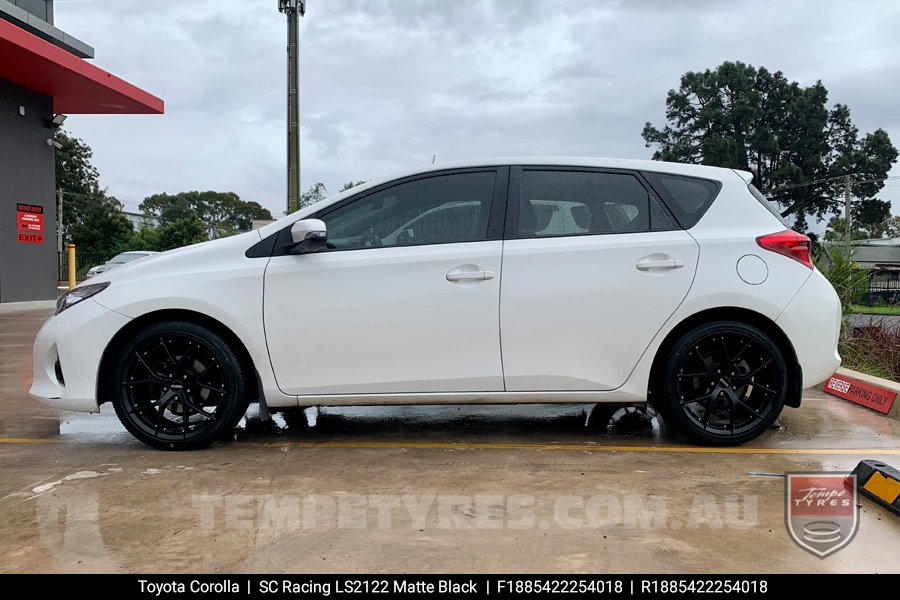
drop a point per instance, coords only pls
(293, 9)
(847, 216)
(59, 222)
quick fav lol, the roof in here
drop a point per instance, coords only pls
(658, 166)
(76, 86)
(872, 256)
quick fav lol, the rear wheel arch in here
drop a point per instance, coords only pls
(107, 362)
(731, 313)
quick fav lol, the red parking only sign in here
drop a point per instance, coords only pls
(860, 392)
(30, 223)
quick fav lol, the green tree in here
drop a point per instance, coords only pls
(225, 212)
(315, 193)
(746, 118)
(835, 231)
(891, 227)
(351, 184)
(91, 219)
(179, 222)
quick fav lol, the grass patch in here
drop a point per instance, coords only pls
(875, 310)
(874, 350)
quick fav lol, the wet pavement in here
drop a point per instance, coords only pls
(399, 489)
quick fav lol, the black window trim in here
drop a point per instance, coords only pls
(511, 229)
(666, 198)
(280, 242)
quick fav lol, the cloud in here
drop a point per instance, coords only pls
(386, 85)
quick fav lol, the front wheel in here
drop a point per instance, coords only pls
(724, 383)
(178, 386)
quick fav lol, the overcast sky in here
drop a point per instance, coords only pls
(387, 84)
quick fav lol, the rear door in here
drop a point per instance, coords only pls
(581, 301)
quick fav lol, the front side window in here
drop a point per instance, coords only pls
(556, 203)
(435, 210)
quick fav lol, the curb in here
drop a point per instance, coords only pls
(886, 385)
(880, 483)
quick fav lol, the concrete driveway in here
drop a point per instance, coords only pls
(512, 488)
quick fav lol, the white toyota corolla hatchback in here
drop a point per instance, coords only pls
(494, 281)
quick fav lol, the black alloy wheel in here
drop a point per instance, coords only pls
(724, 384)
(178, 386)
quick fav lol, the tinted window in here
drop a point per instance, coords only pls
(436, 210)
(554, 203)
(687, 197)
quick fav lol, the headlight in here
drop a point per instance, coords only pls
(76, 295)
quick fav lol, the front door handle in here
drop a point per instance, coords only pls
(659, 262)
(469, 275)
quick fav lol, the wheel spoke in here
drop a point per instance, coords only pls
(762, 387)
(707, 407)
(694, 375)
(146, 366)
(165, 348)
(746, 406)
(210, 387)
(757, 370)
(737, 357)
(704, 398)
(724, 349)
(185, 415)
(183, 359)
(199, 410)
(709, 370)
(140, 381)
(163, 404)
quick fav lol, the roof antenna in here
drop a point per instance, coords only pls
(433, 156)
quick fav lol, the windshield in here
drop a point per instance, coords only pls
(126, 257)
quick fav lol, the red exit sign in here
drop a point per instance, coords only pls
(30, 223)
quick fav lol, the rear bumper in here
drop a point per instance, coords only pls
(812, 322)
(77, 339)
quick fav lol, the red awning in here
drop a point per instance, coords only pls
(77, 86)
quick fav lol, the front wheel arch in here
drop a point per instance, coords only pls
(107, 361)
(741, 315)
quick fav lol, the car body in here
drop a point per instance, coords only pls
(328, 306)
(118, 260)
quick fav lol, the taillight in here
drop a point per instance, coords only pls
(789, 243)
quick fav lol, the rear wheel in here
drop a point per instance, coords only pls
(724, 383)
(178, 386)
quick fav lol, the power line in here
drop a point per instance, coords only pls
(826, 180)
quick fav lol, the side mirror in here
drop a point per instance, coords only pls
(309, 235)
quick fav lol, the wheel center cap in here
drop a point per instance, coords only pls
(177, 386)
(725, 382)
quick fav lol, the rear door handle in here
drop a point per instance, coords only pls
(467, 275)
(645, 264)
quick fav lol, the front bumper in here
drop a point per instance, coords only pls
(812, 322)
(76, 339)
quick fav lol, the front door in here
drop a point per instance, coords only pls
(404, 298)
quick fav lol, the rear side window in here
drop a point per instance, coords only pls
(563, 203)
(687, 197)
(770, 206)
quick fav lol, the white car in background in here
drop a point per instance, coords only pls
(119, 260)
(518, 281)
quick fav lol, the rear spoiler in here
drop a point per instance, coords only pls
(747, 176)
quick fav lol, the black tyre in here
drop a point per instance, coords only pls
(723, 384)
(178, 386)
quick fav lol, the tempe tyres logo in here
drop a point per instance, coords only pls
(821, 513)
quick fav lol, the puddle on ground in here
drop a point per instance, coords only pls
(567, 419)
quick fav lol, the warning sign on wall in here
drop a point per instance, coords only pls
(30, 223)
